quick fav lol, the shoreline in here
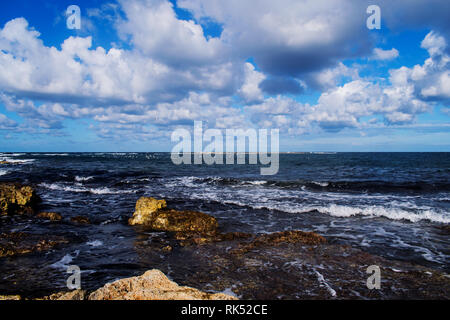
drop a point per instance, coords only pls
(281, 265)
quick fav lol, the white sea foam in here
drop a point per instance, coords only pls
(17, 161)
(80, 188)
(64, 263)
(392, 213)
(95, 243)
(3, 172)
(322, 282)
(81, 179)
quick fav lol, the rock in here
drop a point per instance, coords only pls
(53, 216)
(71, 295)
(152, 285)
(17, 199)
(5, 162)
(17, 243)
(146, 208)
(152, 213)
(189, 238)
(10, 297)
(80, 220)
(277, 238)
(193, 221)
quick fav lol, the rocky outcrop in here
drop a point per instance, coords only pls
(70, 295)
(145, 212)
(17, 199)
(52, 216)
(17, 243)
(152, 213)
(152, 285)
(278, 238)
(10, 297)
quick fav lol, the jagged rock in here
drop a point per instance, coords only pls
(173, 220)
(146, 208)
(16, 243)
(53, 216)
(152, 285)
(80, 220)
(10, 297)
(17, 199)
(273, 239)
(71, 295)
(152, 213)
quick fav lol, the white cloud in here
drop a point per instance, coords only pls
(250, 90)
(380, 54)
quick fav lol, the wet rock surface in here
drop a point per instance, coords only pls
(153, 214)
(297, 270)
(152, 285)
(18, 243)
(80, 220)
(17, 199)
(282, 265)
(52, 216)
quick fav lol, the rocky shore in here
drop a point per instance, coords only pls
(291, 264)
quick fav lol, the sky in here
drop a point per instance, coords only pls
(137, 70)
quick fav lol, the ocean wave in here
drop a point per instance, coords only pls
(80, 188)
(82, 179)
(387, 212)
(3, 172)
(65, 261)
(330, 186)
(17, 161)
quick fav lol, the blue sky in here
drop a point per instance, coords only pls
(139, 69)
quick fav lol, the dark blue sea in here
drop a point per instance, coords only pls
(389, 204)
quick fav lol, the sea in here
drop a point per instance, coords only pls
(395, 205)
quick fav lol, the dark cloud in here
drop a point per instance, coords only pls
(275, 86)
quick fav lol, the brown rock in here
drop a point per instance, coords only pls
(80, 220)
(146, 208)
(17, 199)
(192, 221)
(53, 216)
(152, 213)
(16, 243)
(188, 238)
(273, 239)
(71, 295)
(152, 285)
(10, 297)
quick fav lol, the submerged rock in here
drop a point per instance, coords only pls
(152, 285)
(80, 220)
(273, 239)
(151, 212)
(17, 243)
(17, 199)
(53, 216)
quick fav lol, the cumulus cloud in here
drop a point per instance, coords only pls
(171, 73)
(380, 54)
(6, 123)
(251, 90)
